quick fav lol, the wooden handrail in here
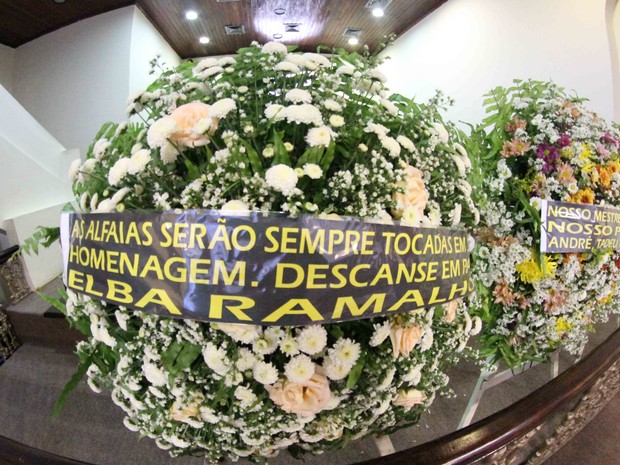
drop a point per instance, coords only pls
(465, 446)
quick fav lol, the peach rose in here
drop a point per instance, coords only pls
(194, 123)
(409, 398)
(450, 310)
(304, 399)
(415, 195)
(184, 412)
(404, 339)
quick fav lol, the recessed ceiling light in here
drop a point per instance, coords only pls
(353, 41)
(191, 15)
(377, 12)
(277, 36)
(203, 40)
(279, 11)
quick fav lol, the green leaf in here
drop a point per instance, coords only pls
(356, 371)
(41, 236)
(280, 153)
(72, 384)
(56, 303)
(192, 170)
(179, 356)
(328, 157)
(253, 158)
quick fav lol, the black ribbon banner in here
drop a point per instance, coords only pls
(575, 227)
(261, 269)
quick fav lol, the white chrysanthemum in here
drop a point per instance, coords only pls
(211, 71)
(377, 128)
(105, 206)
(335, 371)
(154, 375)
(414, 375)
(236, 206)
(118, 171)
(331, 105)
(160, 131)
(240, 332)
(222, 107)
(83, 201)
(313, 171)
(389, 106)
(226, 61)
(289, 346)
(376, 74)
(345, 352)
(336, 121)
(93, 201)
(455, 214)
(298, 96)
(382, 332)
(247, 359)
(138, 161)
(74, 168)
(245, 396)
(299, 369)
(274, 47)
(427, 340)
(346, 69)
(100, 148)
(168, 153)
(303, 114)
(477, 326)
(390, 144)
(317, 58)
(87, 169)
(460, 166)
(319, 137)
(275, 112)
(215, 358)
(264, 345)
(441, 132)
(204, 64)
(312, 339)
(406, 143)
(281, 178)
(288, 67)
(411, 216)
(268, 152)
(265, 373)
(120, 194)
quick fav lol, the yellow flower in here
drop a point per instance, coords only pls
(531, 272)
(586, 153)
(562, 326)
(566, 152)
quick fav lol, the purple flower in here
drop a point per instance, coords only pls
(549, 154)
(564, 141)
(609, 139)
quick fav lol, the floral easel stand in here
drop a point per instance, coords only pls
(489, 377)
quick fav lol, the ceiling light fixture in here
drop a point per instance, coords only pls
(191, 15)
(203, 40)
(279, 11)
(353, 41)
(377, 12)
(277, 36)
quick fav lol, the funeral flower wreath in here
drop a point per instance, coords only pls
(274, 130)
(539, 143)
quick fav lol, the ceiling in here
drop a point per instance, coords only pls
(307, 23)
